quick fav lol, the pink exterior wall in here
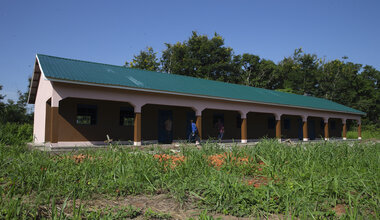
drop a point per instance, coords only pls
(44, 93)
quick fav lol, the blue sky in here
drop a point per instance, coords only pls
(113, 31)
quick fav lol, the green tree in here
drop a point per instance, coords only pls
(339, 82)
(146, 60)
(201, 57)
(368, 95)
(299, 72)
(249, 67)
(257, 72)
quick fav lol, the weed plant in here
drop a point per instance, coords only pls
(304, 180)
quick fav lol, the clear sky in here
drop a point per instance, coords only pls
(113, 31)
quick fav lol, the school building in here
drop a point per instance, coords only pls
(79, 102)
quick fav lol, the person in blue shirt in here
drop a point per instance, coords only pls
(194, 133)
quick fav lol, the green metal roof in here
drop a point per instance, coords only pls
(112, 75)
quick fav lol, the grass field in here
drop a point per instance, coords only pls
(324, 180)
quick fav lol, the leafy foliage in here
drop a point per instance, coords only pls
(146, 60)
(201, 57)
(299, 72)
(257, 72)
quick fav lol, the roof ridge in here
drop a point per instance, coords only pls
(84, 61)
(106, 64)
(172, 74)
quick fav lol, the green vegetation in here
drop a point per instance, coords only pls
(15, 120)
(351, 84)
(205, 216)
(368, 132)
(147, 60)
(15, 134)
(306, 181)
(150, 214)
(15, 112)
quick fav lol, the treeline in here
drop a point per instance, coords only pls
(348, 83)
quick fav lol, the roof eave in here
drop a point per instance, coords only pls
(33, 87)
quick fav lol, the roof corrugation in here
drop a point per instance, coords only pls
(105, 74)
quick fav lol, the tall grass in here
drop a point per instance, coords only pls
(307, 181)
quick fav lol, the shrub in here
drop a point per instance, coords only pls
(15, 134)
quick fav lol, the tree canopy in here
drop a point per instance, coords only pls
(146, 60)
(348, 83)
(200, 56)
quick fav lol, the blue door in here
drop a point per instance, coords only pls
(300, 130)
(311, 129)
(165, 126)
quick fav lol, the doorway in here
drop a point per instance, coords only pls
(300, 129)
(311, 129)
(165, 126)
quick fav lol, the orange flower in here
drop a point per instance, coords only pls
(258, 181)
(218, 160)
(79, 158)
(173, 160)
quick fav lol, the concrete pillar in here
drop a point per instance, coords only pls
(278, 127)
(326, 120)
(244, 130)
(137, 130)
(305, 135)
(344, 129)
(54, 125)
(199, 125)
(359, 131)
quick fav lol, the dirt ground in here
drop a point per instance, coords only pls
(159, 203)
